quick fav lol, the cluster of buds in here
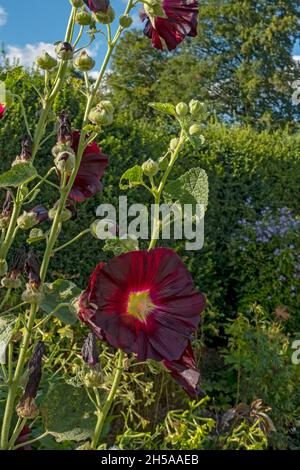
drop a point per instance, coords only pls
(90, 356)
(32, 218)
(195, 110)
(12, 280)
(26, 151)
(102, 114)
(32, 294)
(27, 407)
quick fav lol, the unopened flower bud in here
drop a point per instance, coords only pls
(64, 51)
(27, 409)
(76, 3)
(182, 109)
(3, 267)
(83, 17)
(150, 167)
(102, 114)
(126, 21)
(84, 62)
(61, 148)
(195, 107)
(29, 219)
(65, 214)
(195, 129)
(46, 61)
(105, 225)
(105, 17)
(174, 143)
(65, 162)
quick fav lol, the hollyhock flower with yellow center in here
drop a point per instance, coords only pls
(168, 22)
(144, 302)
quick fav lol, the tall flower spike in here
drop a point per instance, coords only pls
(168, 22)
(143, 302)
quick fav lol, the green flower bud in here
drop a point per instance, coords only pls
(65, 162)
(195, 129)
(182, 109)
(32, 295)
(84, 62)
(195, 107)
(65, 215)
(163, 163)
(102, 114)
(174, 143)
(150, 167)
(27, 220)
(11, 283)
(76, 3)
(3, 267)
(64, 51)
(83, 17)
(45, 61)
(105, 17)
(125, 21)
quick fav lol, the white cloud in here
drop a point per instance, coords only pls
(296, 58)
(27, 54)
(3, 16)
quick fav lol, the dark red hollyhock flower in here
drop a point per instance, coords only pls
(92, 167)
(98, 5)
(185, 372)
(2, 110)
(180, 21)
(143, 302)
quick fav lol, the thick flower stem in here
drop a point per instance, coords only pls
(13, 389)
(102, 414)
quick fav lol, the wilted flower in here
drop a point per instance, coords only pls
(98, 5)
(12, 279)
(7, 209)
(92, 167)
(168, 22)
(145, 303)
(32, 269)
(35, 216)
(26, 149)
(185, 372)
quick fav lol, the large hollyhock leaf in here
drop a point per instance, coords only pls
(60, 292)
(190, 188)
(19, 174)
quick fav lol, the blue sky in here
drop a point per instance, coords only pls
(27, 27)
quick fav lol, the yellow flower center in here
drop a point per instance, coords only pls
(139, 304)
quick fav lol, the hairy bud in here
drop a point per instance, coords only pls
(84, 62)
(46, 62)
(29, 219)
(64, 51)
(125, 21)
(150, 167)
(102, 114)
(83, 17)
(105, 17)
(65, 162)
(182, 109)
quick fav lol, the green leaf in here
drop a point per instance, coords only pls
(59, 292)
(190, 188)
(166, 108)
(7, 324)
(134, 177)
(118, 246)
(67, 413)
(19, 174)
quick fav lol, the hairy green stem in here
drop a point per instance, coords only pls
(102, 414)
